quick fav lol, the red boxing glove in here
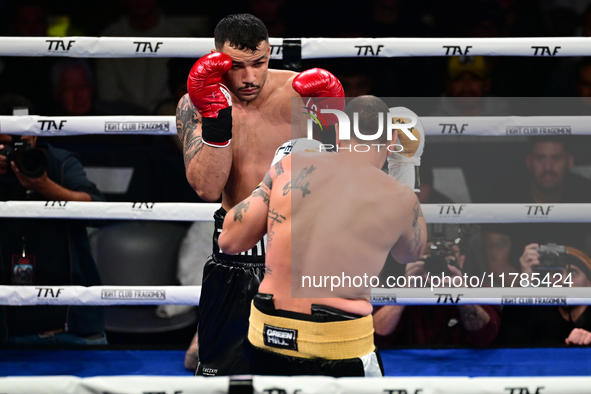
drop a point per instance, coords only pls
(212, 98)
(325, 89)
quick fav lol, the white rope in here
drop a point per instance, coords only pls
(434, 213)
(512, 294)
(422, 385)
(77, 125)
(404, 47)
(163, 125)
(295, 384)
(99, 295)
(130, 47)
(115, 384)
(108, 210)
(311, 47)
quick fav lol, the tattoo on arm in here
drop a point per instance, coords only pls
(279, 168)
(416, 241)
(268, 181)
(298, 182)
(270, 235)
(187, 120)
(238, 214)
(275, 217)
(260, 192)
(473, 317)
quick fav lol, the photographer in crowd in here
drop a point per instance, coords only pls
(464, 325)
(550, 181)
(41, 252)
(549, 325)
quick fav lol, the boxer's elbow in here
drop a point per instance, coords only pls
(225, 244)
(205, 190)
(230, 243)
(206, 194)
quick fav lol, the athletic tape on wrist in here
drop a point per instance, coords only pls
(217, 132)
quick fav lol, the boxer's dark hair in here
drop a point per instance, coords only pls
(241, 31)
(368, 108)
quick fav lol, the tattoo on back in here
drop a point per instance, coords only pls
(187, 120)
(415, 242)
(298, 182)
(238, 214)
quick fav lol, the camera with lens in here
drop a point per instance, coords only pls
(552, 257)
(30, 161)
(440, 253)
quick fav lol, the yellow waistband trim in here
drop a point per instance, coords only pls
(331, 340)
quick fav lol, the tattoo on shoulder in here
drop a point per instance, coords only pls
(240, 210)
(187, 120)
(416, 241)
(276, 216)
(260, 192)
(298, 182)
(279, 168)
(268, 181)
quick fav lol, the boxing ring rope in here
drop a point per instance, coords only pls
(189, 295)
(434, 213)
(288, 385)
(164, 125)
(286, 49)
(309, 48)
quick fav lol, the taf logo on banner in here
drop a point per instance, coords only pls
(59, 45)
(538, 211)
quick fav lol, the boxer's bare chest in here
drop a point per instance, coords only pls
(257, 133)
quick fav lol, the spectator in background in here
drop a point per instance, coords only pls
(355, 84)
(570, 77)
(140, 82)
(28, 76)
(428, 194)
(549, 181)
(42, 252)
(584, 86)
(548, 325)
(273, 15)
(73, 87)
(464, 325)
(467, 86)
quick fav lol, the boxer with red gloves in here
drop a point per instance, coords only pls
(235, 116)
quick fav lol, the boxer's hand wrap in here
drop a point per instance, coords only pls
(404, 165)
(211, 98)
(324, 90)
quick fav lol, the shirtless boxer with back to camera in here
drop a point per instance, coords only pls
(235, 116)
(324, 213)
